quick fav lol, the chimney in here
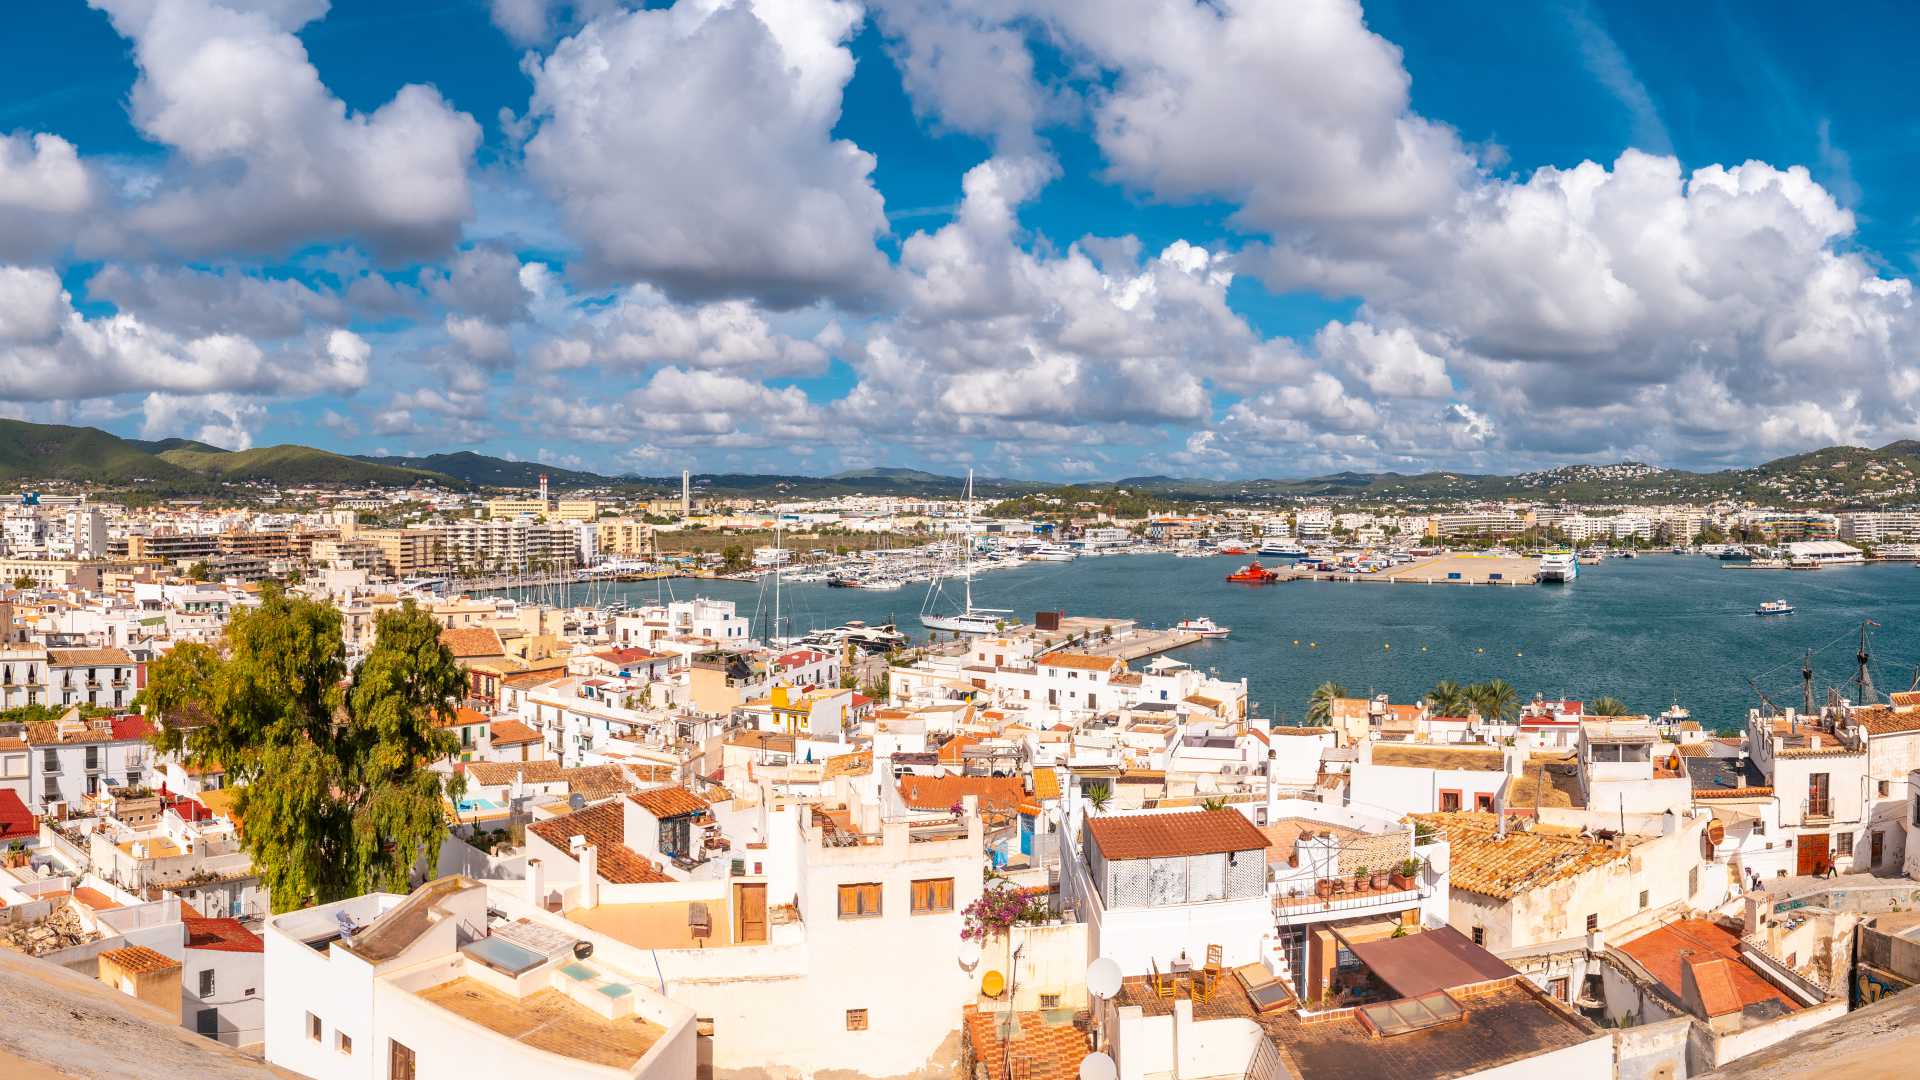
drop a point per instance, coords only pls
(1813, 742)
(590, 877)
(536, 884)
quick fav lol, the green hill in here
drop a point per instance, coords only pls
(57, 452)
(297, 465)
(161, 446)
(485, 471)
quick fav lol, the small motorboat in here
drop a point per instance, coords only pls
(1204, 627)
(1254, 574)
(1774, 607)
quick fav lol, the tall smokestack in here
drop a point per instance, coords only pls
(686, 493)
(543, 490)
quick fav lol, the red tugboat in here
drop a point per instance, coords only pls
(1254, 574)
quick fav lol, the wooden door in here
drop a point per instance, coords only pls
(749, 914)
(1814, 858)
(1878, 848)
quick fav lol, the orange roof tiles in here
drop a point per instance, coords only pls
(666, 802)
(94, 898)
(1664, 950)
(941, 792)
(605, 828)
(1082, 661)
(1439, 756)
(511, 733)
(1046, 784)
(1713, 981)
(1040, 1051)
(220, 935)
(472, 641)
(1503, 868)
(139, 960)
(1166, 836)
(1881, 720)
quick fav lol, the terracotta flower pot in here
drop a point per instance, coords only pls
(1323, 887)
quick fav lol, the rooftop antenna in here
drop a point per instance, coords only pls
(1865, 679)
(1806, 683)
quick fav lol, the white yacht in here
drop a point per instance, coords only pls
(969, 619)
(1559, 566)
(1053, 553)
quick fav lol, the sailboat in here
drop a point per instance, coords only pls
(970, 619)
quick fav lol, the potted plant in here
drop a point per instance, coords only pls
(1323, 887)
(1380, 878)
(1360, 879)
(1406, 874)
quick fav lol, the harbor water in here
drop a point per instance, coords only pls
(1650, 631)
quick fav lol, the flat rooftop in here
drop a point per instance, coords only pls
(548, 1021)
(1501, 1025)
(660, 926)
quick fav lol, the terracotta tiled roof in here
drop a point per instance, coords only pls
(1713, 980)
(1082, 661)
(220, 935)
(941, 792)
(593, 782)
(1039, 1050)
(15, 819)
(1046, 784)
(139, 960)
(465, 716)
(605, 827)
(511, 733)
(89, 658)
(472, 641)
(1666, 949)
(666, 802)
(529, 680)
(1166, 836)
(1505, 867)
(1904, 698)
(1881, 720)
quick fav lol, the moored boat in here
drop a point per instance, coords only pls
(1254, 574)
(1774, 607)
(1203, 626)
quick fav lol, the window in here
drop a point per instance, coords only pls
(50, 764)
(343, 1042)
(1483, 801)
(1449, 802)
(1479, 935)
(207, 1022)
(1560, 988)
(1843, 842)
(1643, 899)
(400, 1064)
(1885, 787)
(1049, 1001)
(313, 1027)
(206, 983)
(1593, 923)
(932, 895)
(1693, 881)
(860, 901)
(856, 1019)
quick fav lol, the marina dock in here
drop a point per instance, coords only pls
(1456, 568)
(1141, 644)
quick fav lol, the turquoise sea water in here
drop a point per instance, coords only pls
(1650, 631)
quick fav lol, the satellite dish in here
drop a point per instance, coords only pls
(576, 801)
(993, 983)
(1103, 979)
(969, 953)
(1098, 1066)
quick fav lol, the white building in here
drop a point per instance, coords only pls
(436, 985)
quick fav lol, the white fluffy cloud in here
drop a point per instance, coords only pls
(50, 351)
(692, 147)
(266, 157)
(642, 329)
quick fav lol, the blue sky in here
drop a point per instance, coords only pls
(1040, 237)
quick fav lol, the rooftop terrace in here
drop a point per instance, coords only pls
(548, 1021)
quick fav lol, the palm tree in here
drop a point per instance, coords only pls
(1496, 699)
(1447, 698)
(1320, 704)
(1607, 706)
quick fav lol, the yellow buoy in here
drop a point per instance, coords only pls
(1479, 650)
(1296, 641)
(1423, 648)
(1386, 646)
(1313, 644)
(1519, 654)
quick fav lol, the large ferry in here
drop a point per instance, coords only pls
(1559, 566)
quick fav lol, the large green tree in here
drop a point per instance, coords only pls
(336, 796)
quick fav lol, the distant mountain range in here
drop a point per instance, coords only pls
(1837, 476)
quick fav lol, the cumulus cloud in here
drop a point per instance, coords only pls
(45, 191)
(643, 329)
(193, 301)
(224, 420)
(49, 350)
(266, 157)
(692, 147)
